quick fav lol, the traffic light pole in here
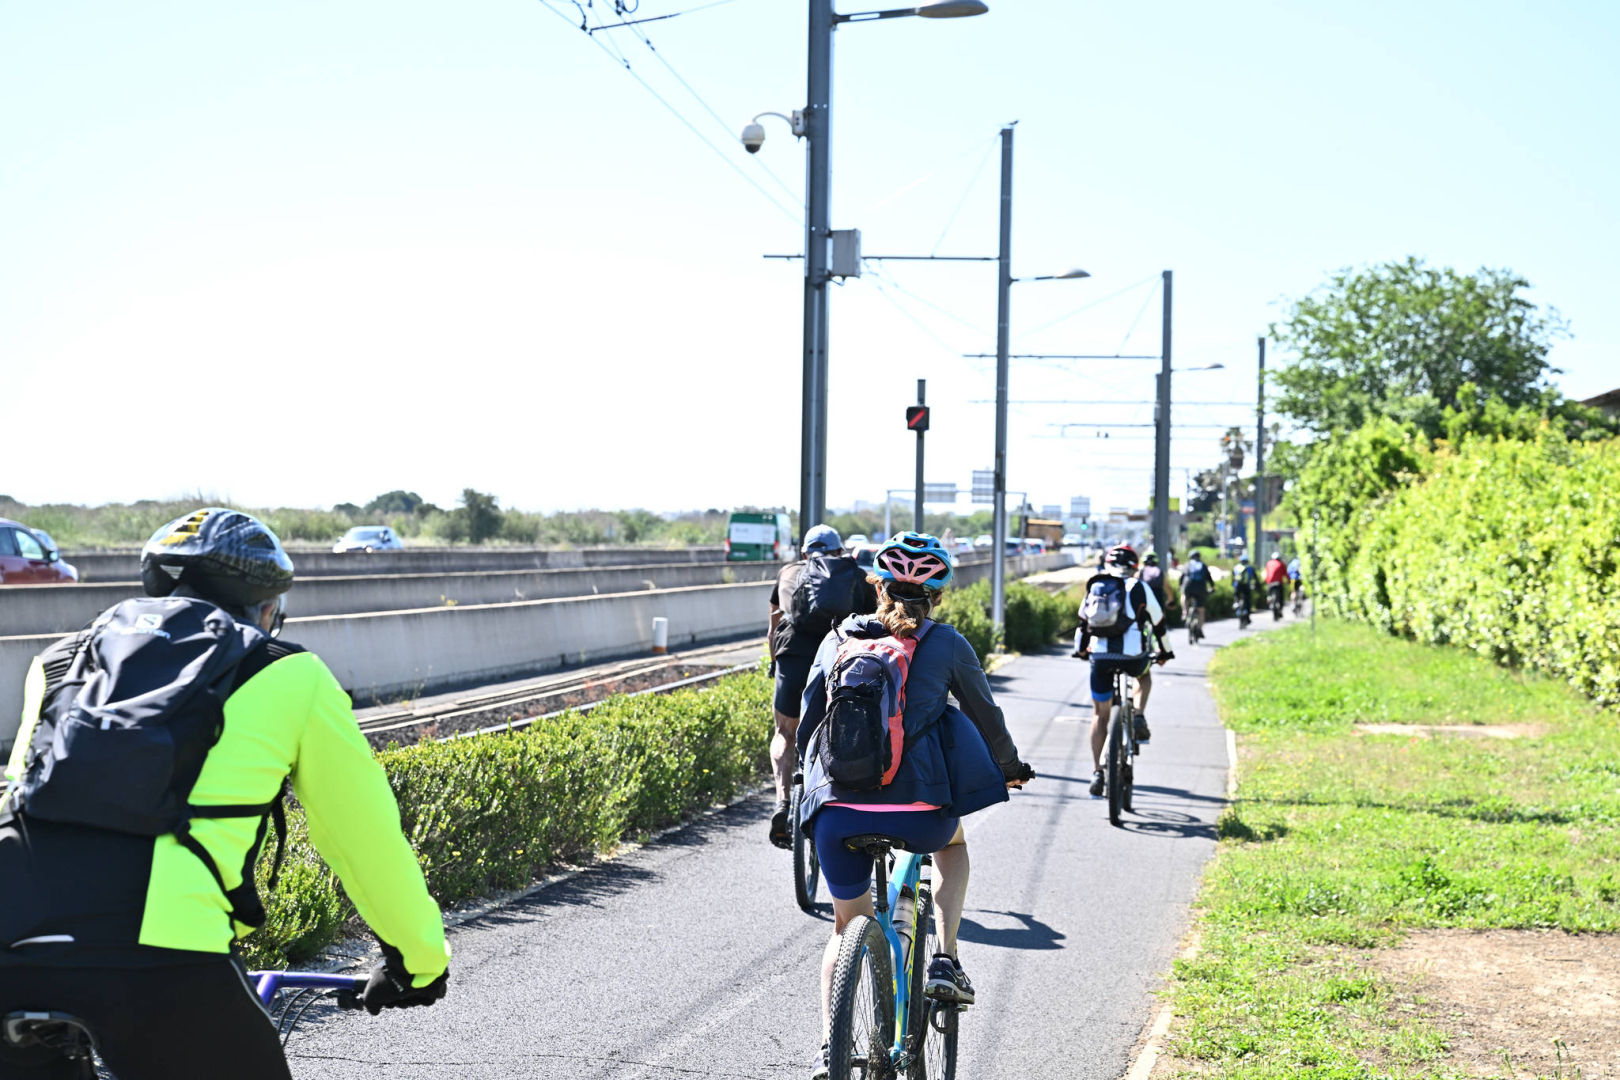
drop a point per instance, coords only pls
(1161, 443)
(998, 557)
(1260, 459)
(922, 386)
(818, 227)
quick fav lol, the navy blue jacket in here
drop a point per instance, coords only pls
(959, 761)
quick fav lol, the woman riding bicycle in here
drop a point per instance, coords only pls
(951, 764)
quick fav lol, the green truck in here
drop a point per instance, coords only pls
(759, 538)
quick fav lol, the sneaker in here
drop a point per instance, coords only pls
(1143, 735)
(947, 981)
(781, 835)
(1097, 784)
(822, 1067)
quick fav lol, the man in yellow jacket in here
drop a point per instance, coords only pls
(120, 898)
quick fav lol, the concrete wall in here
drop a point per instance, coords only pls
(126, 565)
(56, 609)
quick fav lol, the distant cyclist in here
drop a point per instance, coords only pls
(1116, 610)
(1244, 581)
(1276, 577)
(951, 762)
(812, 595)
(1152, 576)
(153, 752)
(1196, 582)
(1296, 577)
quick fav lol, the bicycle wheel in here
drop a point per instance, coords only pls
(1116, 762)
(937, 1055)
(862, 1004)
(806, 867)
(917, 1029)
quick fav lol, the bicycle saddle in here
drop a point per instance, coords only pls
(875, 844)
(59, 1031)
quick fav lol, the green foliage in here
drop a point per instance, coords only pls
(492, 811)
(479, 515)
(395, 502)
(1401, 339)
(1034, 617)
(1338, 842)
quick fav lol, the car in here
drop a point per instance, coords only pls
(1071, 539)
(984, 540)
(369, 538)
(855, 540)
(863, 555)
(1034, 545)
(30, 557)
(964, 546)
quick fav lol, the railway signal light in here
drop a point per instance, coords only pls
(916, 417)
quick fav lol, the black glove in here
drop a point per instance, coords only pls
(1026, 772)
(390, 985)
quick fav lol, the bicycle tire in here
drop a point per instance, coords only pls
(1116, 763)
(862, 1026)
(938, 1057)
(920, 1007)
(806, 865)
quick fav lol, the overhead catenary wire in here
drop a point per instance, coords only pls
(620, 59)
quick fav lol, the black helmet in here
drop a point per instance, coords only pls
(1122, 555)
(1150, 559)
(229, 557)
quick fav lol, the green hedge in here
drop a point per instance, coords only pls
(1507, 547)
(1034, 617)
(490, 812)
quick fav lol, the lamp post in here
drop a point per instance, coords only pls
(1005, 282)
(815, 126)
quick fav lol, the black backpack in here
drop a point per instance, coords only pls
(829, 590)
(122, 736)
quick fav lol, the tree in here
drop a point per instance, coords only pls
(347, 508)
(395, 502)
(479, 515)
(1401, 340)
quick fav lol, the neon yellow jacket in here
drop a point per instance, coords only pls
(291, 719)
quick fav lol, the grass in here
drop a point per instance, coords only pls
(1338, 843)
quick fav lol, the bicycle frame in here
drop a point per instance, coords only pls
(266, 983)
(908, 867)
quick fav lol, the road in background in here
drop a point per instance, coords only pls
(689, 958)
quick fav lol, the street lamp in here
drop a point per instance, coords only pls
(814, 124)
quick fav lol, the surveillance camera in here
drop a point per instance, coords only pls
(753, 137)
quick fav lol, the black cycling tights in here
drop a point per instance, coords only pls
(185, 1022)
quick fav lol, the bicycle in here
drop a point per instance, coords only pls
(1274, 600)
(1195, 621)
(1299, 600)
(806, 866)
(1241, 609)
(1119, 772)
(72, 1038)
(883, 1027)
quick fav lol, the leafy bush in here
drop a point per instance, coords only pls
(489, 812)
(1034, 617)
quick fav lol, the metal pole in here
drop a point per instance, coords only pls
(888, 501)
(998, 560)
(1161, 443)
(922, 386)
(1260, 459)
(818, 225)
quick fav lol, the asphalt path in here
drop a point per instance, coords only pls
(688, 957)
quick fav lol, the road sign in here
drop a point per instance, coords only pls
(917, 417)
(939, 493)
(1080, 506)
(984, 486)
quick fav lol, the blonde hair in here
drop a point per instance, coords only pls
(901, 615)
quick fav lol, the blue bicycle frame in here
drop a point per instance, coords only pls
(907, 874)
(266, 983)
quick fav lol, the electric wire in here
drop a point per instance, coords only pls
(963, 200)
(895, 283)
(656, 18)
(619, 57)
(1137, 321)
(1086, 307)
(877, 283)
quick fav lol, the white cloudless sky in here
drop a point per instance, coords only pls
(304, 253)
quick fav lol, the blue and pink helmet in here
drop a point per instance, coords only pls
(915, 558)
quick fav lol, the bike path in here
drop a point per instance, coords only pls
(689, 957)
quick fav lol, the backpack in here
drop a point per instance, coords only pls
(1104, 606)
(862, 738)
(1197, 572)
(827, 593)
(122, 738)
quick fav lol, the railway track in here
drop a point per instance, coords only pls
(522, 705)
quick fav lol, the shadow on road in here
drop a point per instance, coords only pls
(1031, 934)
(1180, 793)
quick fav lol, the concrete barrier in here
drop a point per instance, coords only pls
(99, 566)
(57, 609)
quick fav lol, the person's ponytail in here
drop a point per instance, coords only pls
(902, 606)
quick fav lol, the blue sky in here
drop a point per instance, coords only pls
(304, 253)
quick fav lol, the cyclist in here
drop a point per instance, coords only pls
(133, 933)
(1195, 585)
(1276, 575)
(1243, 583)
(1297, 577)
(954, 761)
(812, 594)
(1152, 576)
(1129, 605)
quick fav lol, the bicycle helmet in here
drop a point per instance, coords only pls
(1121, 556)
(915, 558)
(1150, 559)
(229, 557)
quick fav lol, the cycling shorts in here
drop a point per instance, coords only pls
(849, 873)
(180, 1021)
(1103, 670)
(791, 674)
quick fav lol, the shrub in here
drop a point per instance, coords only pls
(1033, 617)
(488, 812)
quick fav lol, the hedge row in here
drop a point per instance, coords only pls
(1506, 547)
(1034, 618)
(490, 812)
